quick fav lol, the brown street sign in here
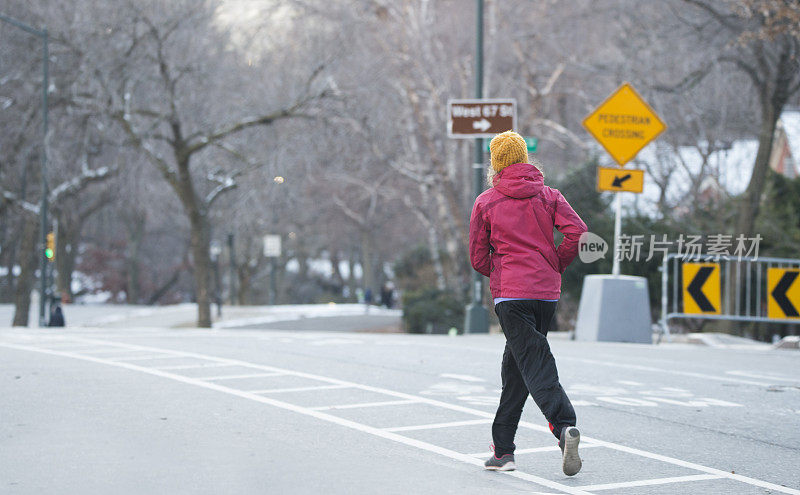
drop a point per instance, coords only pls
(480, 117)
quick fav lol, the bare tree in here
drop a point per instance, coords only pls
(150, 106)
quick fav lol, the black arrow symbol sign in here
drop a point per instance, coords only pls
(779, 294)
(695, 289)
(619, 180)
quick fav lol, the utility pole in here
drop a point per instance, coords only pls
(45, 191)
(477, 316)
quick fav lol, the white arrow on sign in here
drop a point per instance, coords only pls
(482, 124)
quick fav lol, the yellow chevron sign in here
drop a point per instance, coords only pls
(783, 293)
(701, 288)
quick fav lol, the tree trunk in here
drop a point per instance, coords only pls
(27, 259)
(9, 256)
(244, 276)
(751, 202)
(352, 283)
(200, 237)
(202, 268)
(336, 274)
(367, 276)
(135, 234)
(436, 259)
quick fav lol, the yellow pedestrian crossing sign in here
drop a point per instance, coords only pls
(701, 288)
(783, 293)
(624, 124)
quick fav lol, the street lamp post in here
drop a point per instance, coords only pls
(477, 317)
(43, 206)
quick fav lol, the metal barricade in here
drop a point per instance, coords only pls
(729, 288)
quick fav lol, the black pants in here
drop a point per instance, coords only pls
(528, 367)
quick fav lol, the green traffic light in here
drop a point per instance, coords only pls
(49, 253)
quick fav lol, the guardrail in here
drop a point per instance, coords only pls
(757, 289)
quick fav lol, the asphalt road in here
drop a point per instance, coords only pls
(177, 411)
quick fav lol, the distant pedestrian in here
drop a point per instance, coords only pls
(56, 317)
(387, 295)
(511, 242)
(367, 298)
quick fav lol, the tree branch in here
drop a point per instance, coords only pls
(78, 183)
(225, 183)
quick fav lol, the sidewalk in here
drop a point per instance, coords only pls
(185, 315)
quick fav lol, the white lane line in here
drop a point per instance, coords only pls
(762, 376)
(411, 442)
(364, 404)
(614, 364)
(630, 383)
(236, 377)
(466, 378)
(440, 425)
(192, 366)
(655, 481)
(551, 448)
(94, 352)
(63, 345)
(454, 407)
(144, 358)
(640, 367)
(698, 467)
(297, 389)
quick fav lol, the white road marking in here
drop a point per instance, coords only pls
(336, 341)
(482, 400)
(466, 378)
(316, 414)
(391, 435)
(236, 377)
(440, 425)
(57, 345)
(699, 402)
(297, 389)
(612, 362)
(364, 404)
(763, 376)
(655, 481)
(551, 448)
(192, 366)
(145, 358)
(640, 367)
(697, 467)
(628, 401)
(94, 352)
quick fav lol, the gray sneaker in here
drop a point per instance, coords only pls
(570, 461)
(503, 463)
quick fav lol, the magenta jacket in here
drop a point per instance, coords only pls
(511, 234)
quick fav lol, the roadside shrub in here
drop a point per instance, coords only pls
(430, 310)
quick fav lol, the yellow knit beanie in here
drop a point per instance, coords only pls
(506, 149)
